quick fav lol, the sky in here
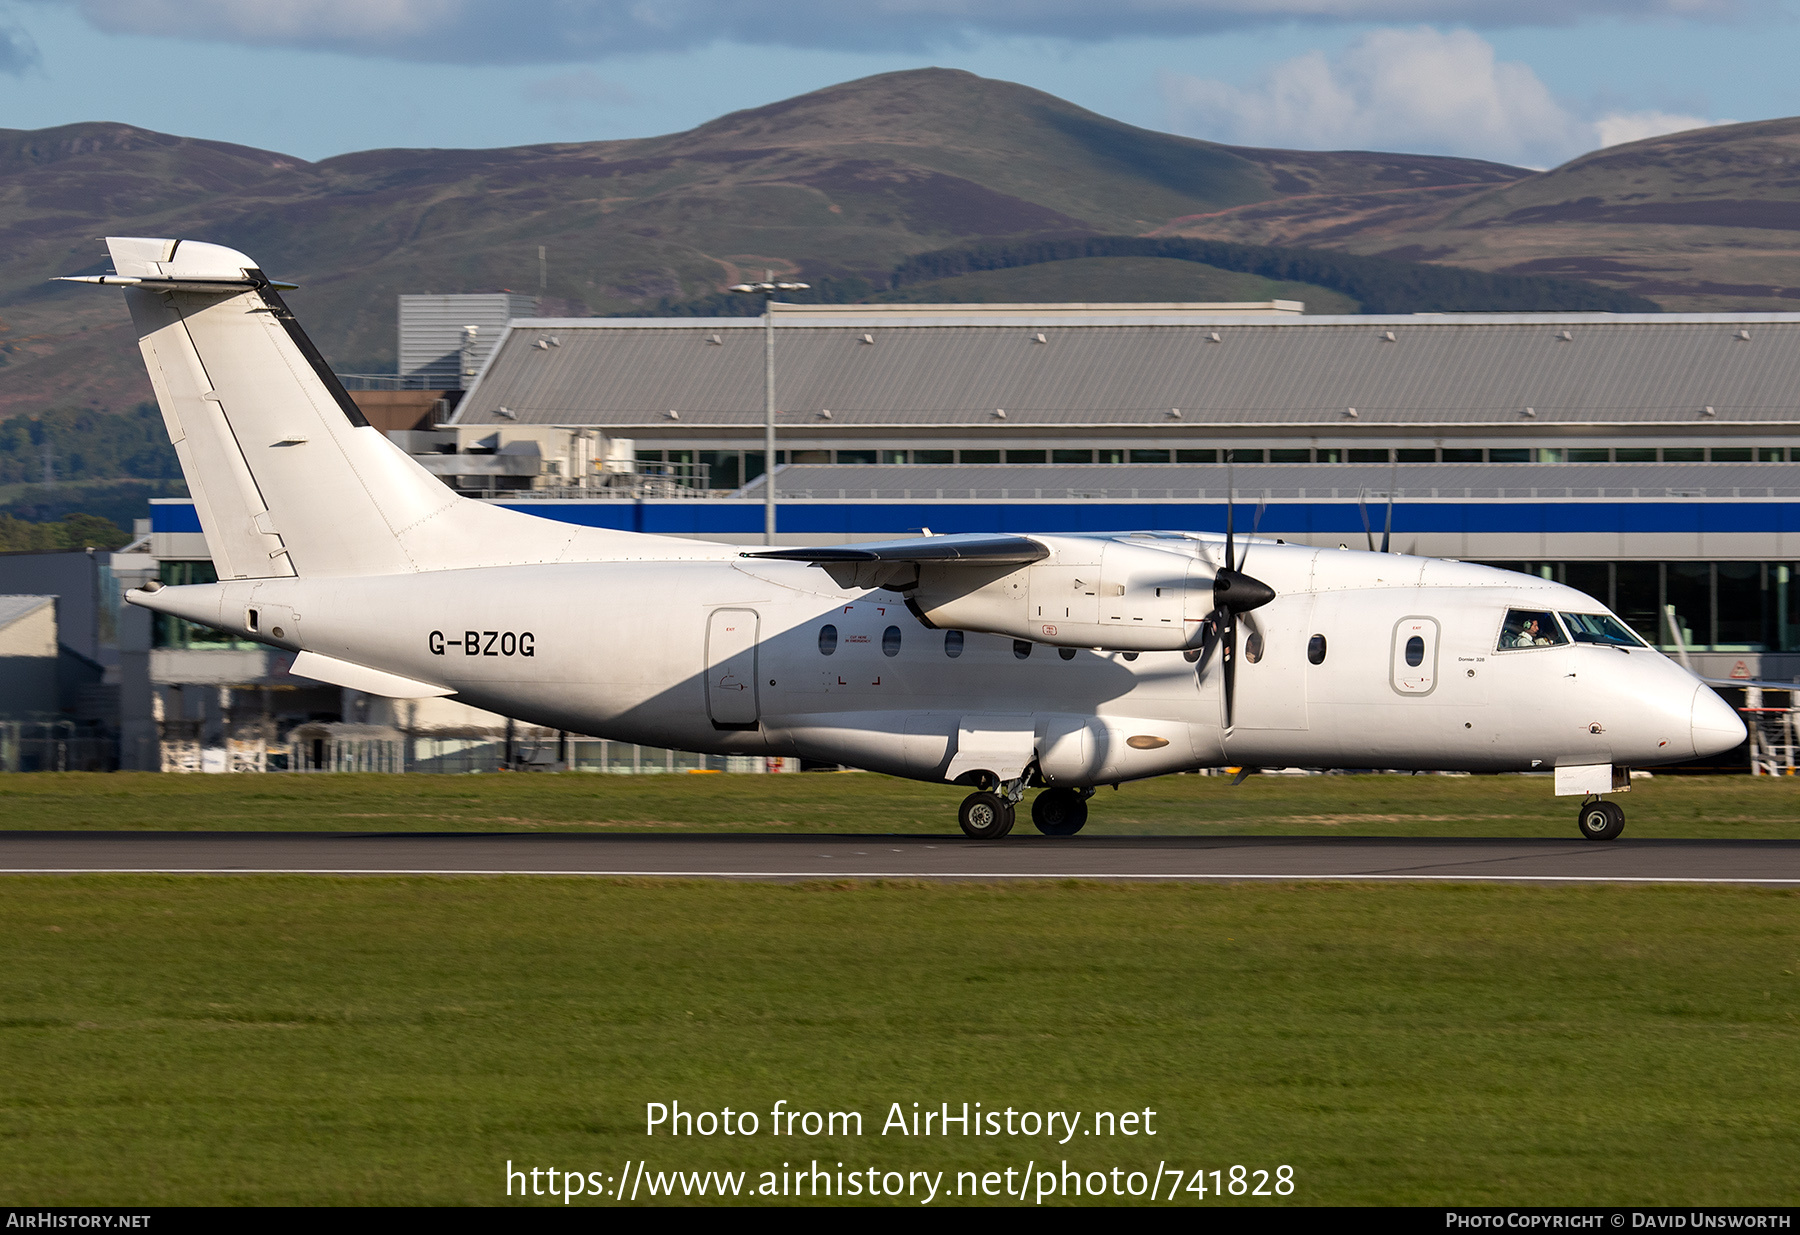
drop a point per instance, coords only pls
(1529, 82)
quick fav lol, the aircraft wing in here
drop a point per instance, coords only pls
(975, 549)
(895, 563)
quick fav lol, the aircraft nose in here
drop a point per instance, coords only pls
(1716, 726)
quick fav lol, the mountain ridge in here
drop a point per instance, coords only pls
(841, 183)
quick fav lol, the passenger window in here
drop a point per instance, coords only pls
(827, 640)
(1415, 651)
(1530, 628)
(1021, 648)
(1066, 653)
(953, 643)
(1315, 649)
(890, 641)
(1600, 628)
(1253, 647)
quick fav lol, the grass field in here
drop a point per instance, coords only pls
(1667, 806)
(397, 1041)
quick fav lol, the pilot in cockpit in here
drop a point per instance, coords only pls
(1529, 630)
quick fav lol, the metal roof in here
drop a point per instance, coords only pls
(12, 608)
(1297, 372)
(1276, 482)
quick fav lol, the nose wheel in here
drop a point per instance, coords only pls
(1600, 820)
(985, 816)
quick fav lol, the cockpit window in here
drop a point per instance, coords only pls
(1600, 628)
(1529, 628)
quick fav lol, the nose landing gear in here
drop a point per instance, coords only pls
(1600, 820)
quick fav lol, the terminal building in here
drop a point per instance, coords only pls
(1652, 461)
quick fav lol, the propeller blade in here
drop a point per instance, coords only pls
(1230, 641)
(1387, 533)
(1230, 513)
(1209, 642)
(1362, 508)
(1255, 526)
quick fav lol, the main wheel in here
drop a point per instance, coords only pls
(985, 816)
(1600, 820)
(1059, 812)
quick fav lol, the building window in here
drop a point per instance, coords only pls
(168, 631)
(1149, 456)
(1071, 456)
(1731, 454)
(1461, 454)
(1582, 454)
(1550, 454)
(1510, 455)
(753, 465)
(1025, 456)
(1245, 455)
(953, 643)
(718, 469)
(811, 456)
(1196, 456)
(1330, 454)
(856, 457)
(893, 456)
(934, 456)
(827, 639)
(1771, 454)
(1109, 456)
(1683, 454)
(1282, 455)
(981, 456)
(1415, 456)
(1635, 454)
(1365, 455)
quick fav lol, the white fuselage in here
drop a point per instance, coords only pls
(727, 656)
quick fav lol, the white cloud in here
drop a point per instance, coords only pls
(1618, 127)
(564, 31)
(1417, 89)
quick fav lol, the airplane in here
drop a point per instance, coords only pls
(1001, 663)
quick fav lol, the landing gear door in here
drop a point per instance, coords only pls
(731, 698)
(1413, 656)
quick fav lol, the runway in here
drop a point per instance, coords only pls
(936, 857)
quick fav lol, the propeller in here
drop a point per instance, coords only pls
(1234, 593)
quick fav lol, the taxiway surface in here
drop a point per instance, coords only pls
(725, 856)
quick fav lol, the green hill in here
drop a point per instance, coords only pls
(842, 183)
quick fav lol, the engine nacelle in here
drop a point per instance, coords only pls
(1124, 595)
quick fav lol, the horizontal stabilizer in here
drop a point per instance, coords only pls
(359, 677)
(974, 549)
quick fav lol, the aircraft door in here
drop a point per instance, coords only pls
(731, 697)
(1413, 656)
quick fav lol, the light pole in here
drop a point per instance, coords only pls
(767, 289)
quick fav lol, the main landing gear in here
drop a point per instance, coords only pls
(989, 815)
(1600, 820)
(985, 816)
(1061, 812)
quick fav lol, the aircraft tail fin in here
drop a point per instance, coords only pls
(287, 475)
